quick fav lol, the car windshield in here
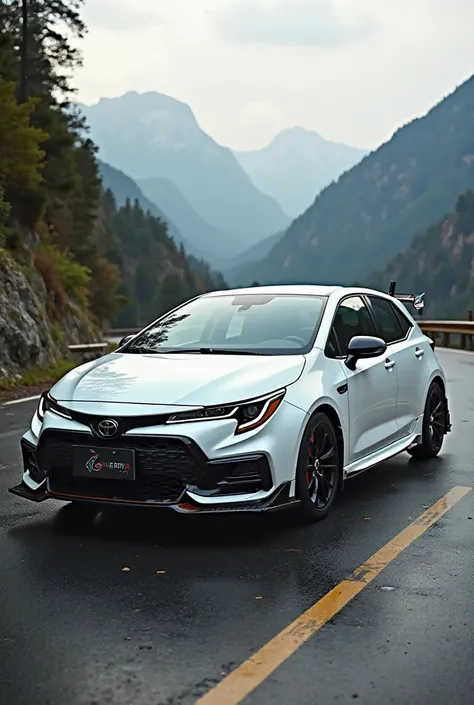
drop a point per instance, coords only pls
(252, 324)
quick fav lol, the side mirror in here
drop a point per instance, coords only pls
(125, 340)
(363, 346)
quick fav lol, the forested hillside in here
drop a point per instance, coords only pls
(123, 187)
(373, 211)
(80, 263)
(440, 262)
(156, 274)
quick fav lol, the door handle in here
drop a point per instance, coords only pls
(389, 364)
(419, 353)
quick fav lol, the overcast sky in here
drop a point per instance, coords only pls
(353, 70)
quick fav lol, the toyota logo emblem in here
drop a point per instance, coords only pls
(107, 428)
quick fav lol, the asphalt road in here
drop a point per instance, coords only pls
(205, 593)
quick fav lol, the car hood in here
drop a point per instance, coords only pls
(177, 379)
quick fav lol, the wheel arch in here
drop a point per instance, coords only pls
(437, 378)
(442, 383)
(332, 414)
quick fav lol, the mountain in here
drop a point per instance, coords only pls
(440, 262)
(212, 242)
(296, 166)
(235, 270)
(123, 188)
(357, 224)
(148, 135)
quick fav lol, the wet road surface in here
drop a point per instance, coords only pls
(204, 594)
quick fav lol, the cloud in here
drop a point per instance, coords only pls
(310, 23)
(119, 15)
(243, 91)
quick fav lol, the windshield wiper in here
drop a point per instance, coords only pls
(142, 351)
(213, 351)
(226, 351)
(195, 351)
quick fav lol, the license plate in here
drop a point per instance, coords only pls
(105, 463)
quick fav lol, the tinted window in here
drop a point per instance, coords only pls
(274, 324)
(332, 346)
(404, 322)
(352, 318)
(387, 320)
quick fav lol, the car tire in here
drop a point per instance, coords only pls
(434, 424)
(319, 443)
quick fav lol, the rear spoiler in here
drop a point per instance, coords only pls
(417, 301)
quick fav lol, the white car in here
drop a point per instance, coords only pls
(242, 400)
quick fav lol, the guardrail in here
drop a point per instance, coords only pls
(446, 334)
(88, 350)
(122, 332)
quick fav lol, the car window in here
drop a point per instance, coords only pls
(246, 323)
(387, 320)
(332, 346)
(352, 318)
(404, 322)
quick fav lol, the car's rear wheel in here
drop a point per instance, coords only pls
(434, 424)
(318, 469)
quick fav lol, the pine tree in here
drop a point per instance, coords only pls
(20, 153)
(43, 49)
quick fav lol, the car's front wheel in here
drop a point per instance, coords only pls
(318, 468)
(434, 424)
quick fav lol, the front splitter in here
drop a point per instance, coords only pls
(280, 499)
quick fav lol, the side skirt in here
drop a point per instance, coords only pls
(390, 451)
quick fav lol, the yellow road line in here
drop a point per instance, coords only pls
(250, 674)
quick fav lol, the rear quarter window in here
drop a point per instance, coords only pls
(389, 320)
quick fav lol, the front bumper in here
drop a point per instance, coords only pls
(172, 471)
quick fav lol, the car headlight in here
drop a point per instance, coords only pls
(249, 414)
(47, 403)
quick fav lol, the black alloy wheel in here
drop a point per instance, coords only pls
(434, 424)
(319, 468)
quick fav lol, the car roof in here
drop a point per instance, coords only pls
(301, 289)
(298, 289)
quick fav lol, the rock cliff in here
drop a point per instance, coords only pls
(33, 333)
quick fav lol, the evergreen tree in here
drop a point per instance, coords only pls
(118, 264)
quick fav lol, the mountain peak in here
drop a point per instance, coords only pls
(295, 135)
(134, 102)
(149, 135)
(296, 165)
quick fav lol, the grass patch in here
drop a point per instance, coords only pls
(7, 260)
(56, 332)
(39, 375)
(14, 314)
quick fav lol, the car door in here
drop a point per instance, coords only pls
(408, 347)
(371, 387)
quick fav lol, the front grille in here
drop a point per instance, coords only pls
(163, 466)
(125, 423)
